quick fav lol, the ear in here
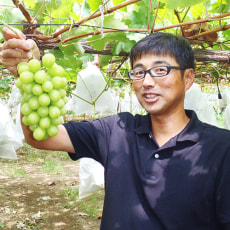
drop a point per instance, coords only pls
(188, 78)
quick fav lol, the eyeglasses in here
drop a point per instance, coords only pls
(157, 71)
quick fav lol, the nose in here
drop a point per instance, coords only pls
(148, 81)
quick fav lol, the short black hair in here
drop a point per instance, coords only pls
(160, 43)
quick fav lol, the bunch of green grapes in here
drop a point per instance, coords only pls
(43, 89)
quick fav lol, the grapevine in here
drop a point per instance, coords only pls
(43, 88)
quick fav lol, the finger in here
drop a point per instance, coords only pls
(16, 53)
(11, 64)
(35, 51)
(9, 34)
(19, 43)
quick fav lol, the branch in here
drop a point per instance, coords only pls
(19, 4)
(159, 3)
(212, 55)
(192, 22)
(156, 29)
(110, 10)
(226, 27)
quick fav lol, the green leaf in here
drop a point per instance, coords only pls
(99, 42)
(72, 48)
(173, 4)
(122, 46)
(94, 5)
(53, 3)
(226, 34)
(105, 59)
(116, 2)
(85, 10)
(138, 17)
(4, 83)
(9, 13)
(215, 74)
(110, 21)
(225, 47)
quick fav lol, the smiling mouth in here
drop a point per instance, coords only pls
(150, 96)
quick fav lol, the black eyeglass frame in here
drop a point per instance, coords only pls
(148, 71)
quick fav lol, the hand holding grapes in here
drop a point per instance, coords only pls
(16, 50)
(42, 86)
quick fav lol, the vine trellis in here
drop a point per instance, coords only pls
(196, 31)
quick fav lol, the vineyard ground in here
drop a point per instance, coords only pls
(39, 191)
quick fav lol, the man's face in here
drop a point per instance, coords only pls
(161, 95)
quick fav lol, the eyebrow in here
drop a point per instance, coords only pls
(154, 63)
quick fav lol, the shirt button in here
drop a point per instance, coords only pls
(156, 156)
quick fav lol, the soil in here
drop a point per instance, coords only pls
(34, 198)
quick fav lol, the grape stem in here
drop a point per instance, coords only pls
(13, 30)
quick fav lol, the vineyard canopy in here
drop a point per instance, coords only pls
(76, 30)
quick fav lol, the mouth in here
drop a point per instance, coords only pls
(151, 97)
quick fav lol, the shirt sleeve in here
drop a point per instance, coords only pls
(90, 139)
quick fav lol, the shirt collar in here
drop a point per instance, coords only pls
(191, 132)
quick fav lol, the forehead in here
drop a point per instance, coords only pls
(150, 60)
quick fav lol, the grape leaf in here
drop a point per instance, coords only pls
(85, 11)
(173, 4)
(109, 21)
(94, 5)
(99, 42)
(120, 46)
(105, 59)
(72, 48)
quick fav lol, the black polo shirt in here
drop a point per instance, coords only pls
(183, 185)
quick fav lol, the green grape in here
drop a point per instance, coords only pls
(57, 121)
(56, 70)
(47, 86)
(22, 67)
(18, 83)
(52, 130)
(25, 98)
(37, 89)
(62, 93)
(44, 99)
(39, 133)
(43, 111)
(25, 120)
(63, 111)
(45, 122)
(33, 127)
(65, 99)
(26, 77)
(60, 103)
(54, 95)
(25, 109)
(43, 89)
(33, 103)
(23, 63)
(64, 82)
(34, 65)
(48, 60)
(40, 76)
(57, 82)
(27, 88)
(54, 112)
(33, 118)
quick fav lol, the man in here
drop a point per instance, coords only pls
(164, 170)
